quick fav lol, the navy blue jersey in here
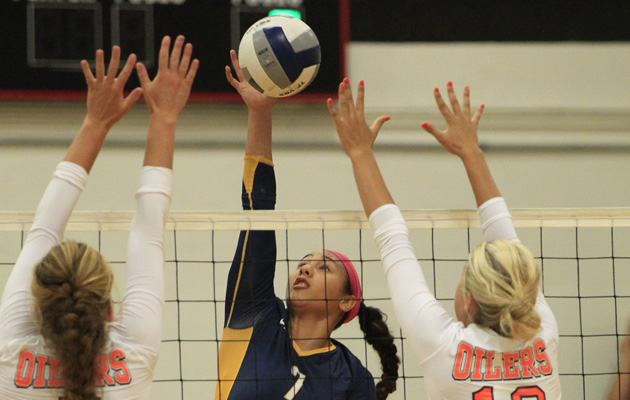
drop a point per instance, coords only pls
(257, 358)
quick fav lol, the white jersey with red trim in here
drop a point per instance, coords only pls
(28, 368)
(465, 362)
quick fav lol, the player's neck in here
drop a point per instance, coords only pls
(309, 333)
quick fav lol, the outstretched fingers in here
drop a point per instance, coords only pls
(332, 110)
(360, 99)
(113, 64)
(185, 61)
(163, 56)
(87, 71)
(453, 98)
(100, 65)
(127, 69)
(176, 53)
(143, 75)
(237, 66)
(475, 119)
(192, 72)
(346, 103)
(131, 99)
(378, 123)
(446, 112)
(433, 130)
(466, 102)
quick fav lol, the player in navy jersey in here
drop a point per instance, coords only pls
(504, 343)
(269, 351)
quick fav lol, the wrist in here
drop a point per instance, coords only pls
(164, 119)
(472, 155)
(359, 156)
(260, 111)
(95, 127)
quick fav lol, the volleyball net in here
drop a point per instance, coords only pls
(584, 255)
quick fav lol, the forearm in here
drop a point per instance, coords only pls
(483, 185)
(160, 142)
(259, 127)
(372, 188)
(87, 144)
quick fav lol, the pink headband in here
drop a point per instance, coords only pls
(355, 285)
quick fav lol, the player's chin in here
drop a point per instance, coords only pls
(299, 294)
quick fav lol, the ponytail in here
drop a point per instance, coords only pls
(71, 287)
(378, 336)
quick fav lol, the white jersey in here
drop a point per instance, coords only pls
(465, 362)
(28, 368)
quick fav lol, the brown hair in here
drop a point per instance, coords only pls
(72, 290)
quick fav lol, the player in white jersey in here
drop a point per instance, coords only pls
(58, 337)
(504, 343)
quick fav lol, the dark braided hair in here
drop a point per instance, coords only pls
(378, 336)
(71, 287)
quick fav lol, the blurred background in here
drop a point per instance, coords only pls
(553, 76)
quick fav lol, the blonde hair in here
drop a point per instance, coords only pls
(72, 290)
(503, 279)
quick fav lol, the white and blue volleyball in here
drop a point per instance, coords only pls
(279, 55)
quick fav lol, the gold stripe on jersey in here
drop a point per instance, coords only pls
(304, 353)
(232, 352)
(235, 342)
(249, 170)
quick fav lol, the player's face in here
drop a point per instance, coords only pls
(318, 280)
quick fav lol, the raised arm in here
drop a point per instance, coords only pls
(259, 110)
(460, 138)
(422, 318)
(357, 139)
(106, 104)
(250, 280)
(166, 95)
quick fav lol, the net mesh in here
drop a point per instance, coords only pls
(584, 255)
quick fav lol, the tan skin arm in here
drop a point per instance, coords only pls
(106, 105)
(166, 95)
(357, 139)
(259, 111)
(460, 138)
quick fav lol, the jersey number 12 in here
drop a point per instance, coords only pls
(521, 393)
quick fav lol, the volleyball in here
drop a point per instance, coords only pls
(279, 55)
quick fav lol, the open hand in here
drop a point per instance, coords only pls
(252, 97)
(460, 136)
(355, 135)
(168, 92)
(106, 103)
